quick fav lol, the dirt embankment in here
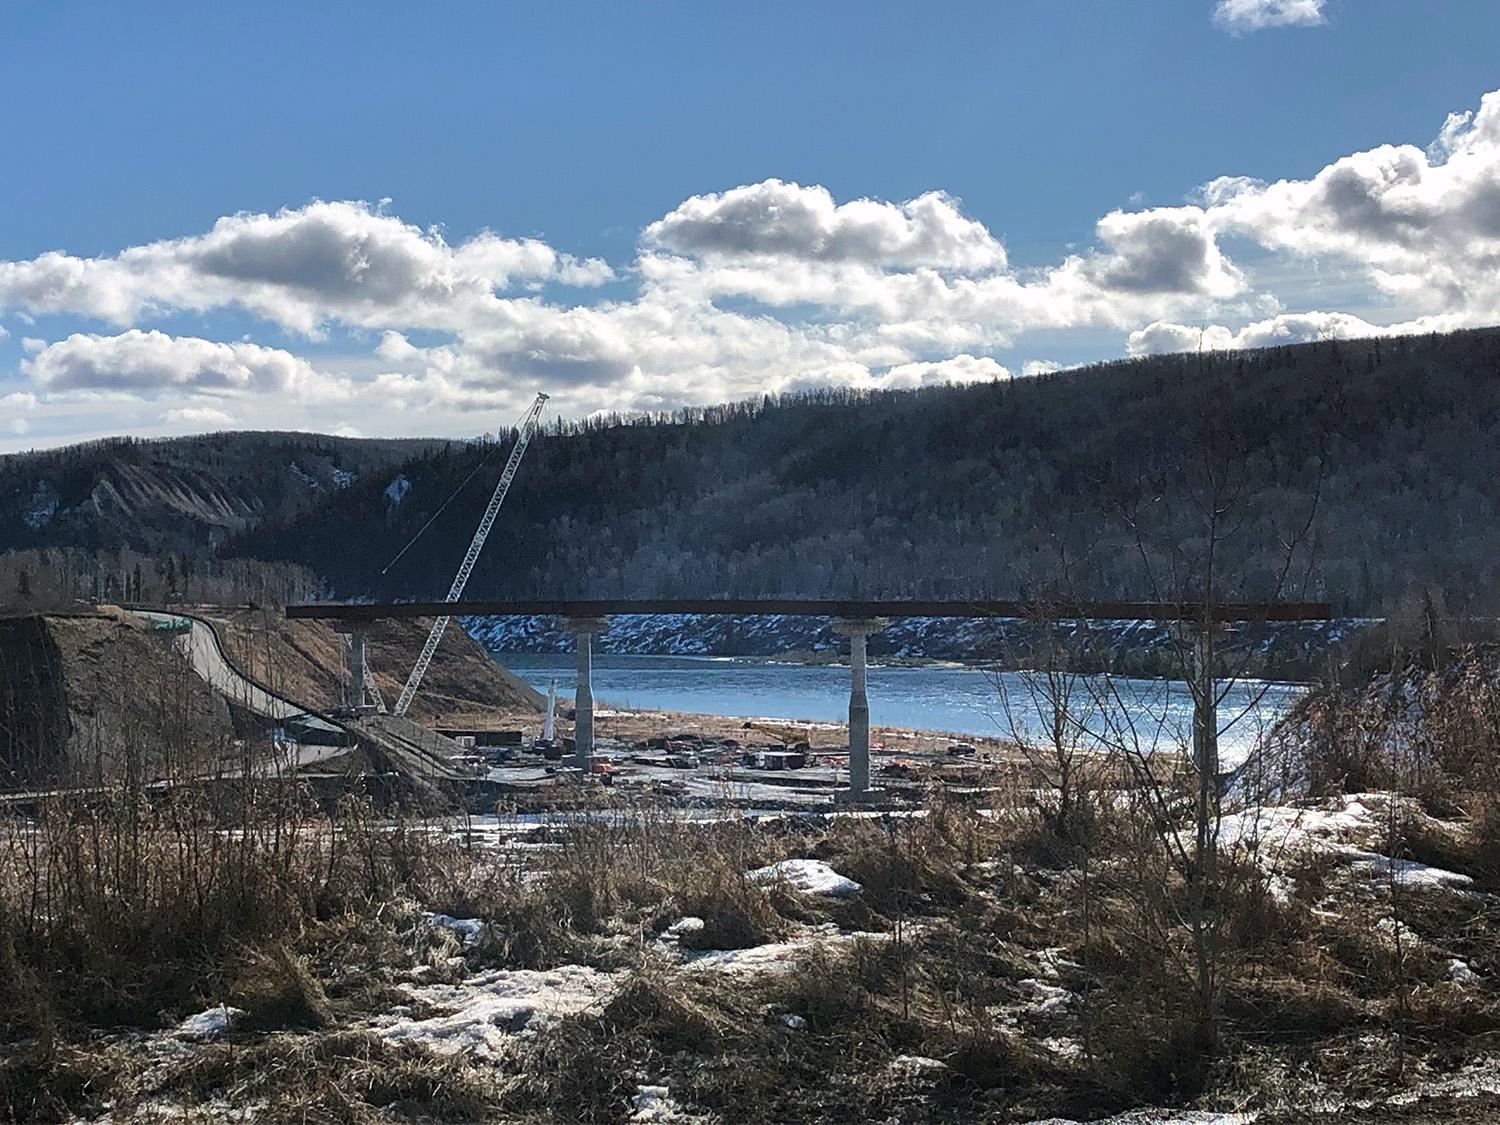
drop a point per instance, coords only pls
(95, 698)
(304, 661)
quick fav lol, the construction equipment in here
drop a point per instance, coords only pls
(481, 533)
(789, 733)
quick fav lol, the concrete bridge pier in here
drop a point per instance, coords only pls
(858, 630)
(354, 666)
(583, 630)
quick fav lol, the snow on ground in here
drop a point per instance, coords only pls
(209, 1024)
(1406, 872)
(471, 931)
(302, 474)
(1054, 963)
(396, 491)
(917, 1066)
(1052, 999)
(43, 507)
(778, 956)
(1284, 827)
(1471, 1082)
(654, 1103)
(489, 1008)
(1064, 1047)
(811, 876)
(1347, 827)
(670, 940)
(1460, 973)
(482, 1014)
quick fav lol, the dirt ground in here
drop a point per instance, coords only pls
(304, 660)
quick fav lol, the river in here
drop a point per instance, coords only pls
(962, 699)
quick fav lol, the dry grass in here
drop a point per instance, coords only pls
(340, 1077)
(138, 914)
(277, 990)
(130, 910)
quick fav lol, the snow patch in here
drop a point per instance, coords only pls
(810, 876)
(489, 1009)
(396, 491)
(1346, 827)
(343, 478)
(44, 506)
(654, 1103)
(471, 931)
(209, 1024)
(775, 957)
(917, 1066)
(1460, 973)
(1405, 872)
(302, 474)
(1063, 1047)
(1053, 1000)
(671, 937)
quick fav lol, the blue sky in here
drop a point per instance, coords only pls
(643, 205)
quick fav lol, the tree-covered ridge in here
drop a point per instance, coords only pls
(181, 495)
(1086, 479)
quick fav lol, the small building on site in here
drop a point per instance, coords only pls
(481, 738)
(774, 759)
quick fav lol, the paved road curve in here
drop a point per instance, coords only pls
(200, 645)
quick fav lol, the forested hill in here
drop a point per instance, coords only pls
(995, 489)
(179, 495)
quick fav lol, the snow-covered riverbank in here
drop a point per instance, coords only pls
(934, 638)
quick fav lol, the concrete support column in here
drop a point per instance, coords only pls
(859, 707)
(354, 685)
(583, 630)
(354, 665)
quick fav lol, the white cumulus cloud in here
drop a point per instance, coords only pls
(197, 416)
(1423, 224)
(1253, 15)
(959, 369)
(151, 363)
(761, 287)
(300, 268)
(1040, 367)
(1286, 328)
(788, 220)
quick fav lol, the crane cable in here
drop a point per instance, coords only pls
(488, 457)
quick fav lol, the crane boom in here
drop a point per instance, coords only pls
(481, 533)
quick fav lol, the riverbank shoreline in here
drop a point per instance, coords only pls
(952, 701)
(640, 724)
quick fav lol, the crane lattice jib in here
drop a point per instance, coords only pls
(481, 533)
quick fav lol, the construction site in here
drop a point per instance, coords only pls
(253, 691)
(399, 700)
